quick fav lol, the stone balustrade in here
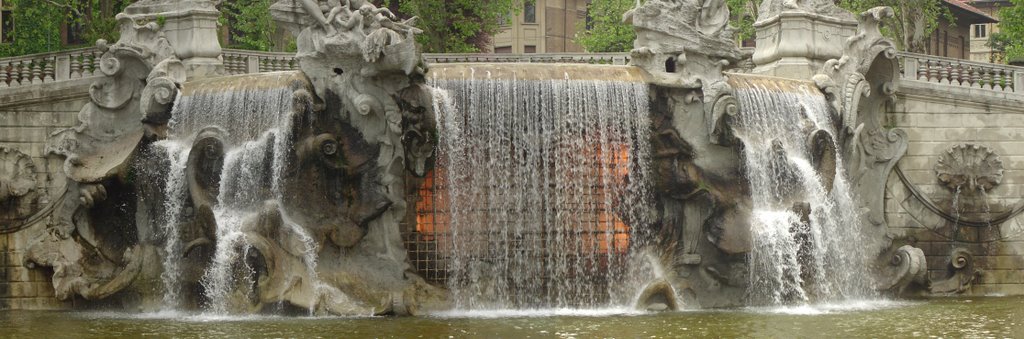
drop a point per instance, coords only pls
(964, 73)
(80, 63)
(49, 67)
(247, 62)
(570, 58)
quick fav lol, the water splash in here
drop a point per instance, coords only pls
(175, 189)
(258, 121)
(542, 179)
(793, 259)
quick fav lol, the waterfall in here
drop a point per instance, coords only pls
(175, 189)
(542, 178)
(258, 124)
(792, 259)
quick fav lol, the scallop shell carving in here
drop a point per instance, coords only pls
(970, 168)
(17, 184)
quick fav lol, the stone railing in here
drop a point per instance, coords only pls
(238, 61)
(570, 58)
(963, 73)
(244, 62)
(80, 63)
(49, 67)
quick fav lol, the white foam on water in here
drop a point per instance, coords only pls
(845, 306)
(537, 313)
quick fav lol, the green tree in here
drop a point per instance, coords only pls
(913, 22)
(37, 23)
(251, 25)
(604, 31)
(456, 26)
(1010, 39)
(742, 14)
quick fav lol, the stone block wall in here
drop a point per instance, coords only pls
(938, 117)
(28, 116)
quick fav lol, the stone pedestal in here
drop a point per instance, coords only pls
(191, 29)
(796, 44)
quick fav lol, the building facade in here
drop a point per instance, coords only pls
(957, 40)
(543, 26)
(981, 33)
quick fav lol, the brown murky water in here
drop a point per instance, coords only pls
(946, 318)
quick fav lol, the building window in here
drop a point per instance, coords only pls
(6, 26)
(530, 12)
(503, 49)
(529, 49)
(980, 31)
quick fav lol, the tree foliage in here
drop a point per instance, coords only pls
(913, 22)
(604, 31)
(742, 15)
(1010, 39)
(37, 23)
(251, 25)
(456, 26)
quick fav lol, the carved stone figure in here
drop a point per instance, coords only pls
(772, 8)
(18, 196)
(969, 168)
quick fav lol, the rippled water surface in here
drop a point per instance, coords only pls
(948, 318)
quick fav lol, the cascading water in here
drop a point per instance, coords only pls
(175, 189)
(796, 258)
(257, 122)
(542, 177)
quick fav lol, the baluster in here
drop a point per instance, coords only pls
(944, 72)
(37, 72)
(26, 72)
(922, 70)
(972, 76)
(86, 64)
(48, 69)
(229, 64)
(954, 74)
(4, 67)
(986, 79)
(1004, 79)
(97, 59)
(933, 71)
(1011, 86)
(76, 66)
(279, 62)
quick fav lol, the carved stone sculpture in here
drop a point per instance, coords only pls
(93, 246)
(794, 37)
(772, 8)
(860, 84)
(969, 168)
(18, 183)
(961, 273)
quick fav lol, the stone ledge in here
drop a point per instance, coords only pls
(959, 95)
(50, 92)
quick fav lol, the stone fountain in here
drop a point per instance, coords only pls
(676, 182)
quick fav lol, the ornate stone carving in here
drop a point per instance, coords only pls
(682, 43)
(18, 196)
(803, 50)
(98, 258)
(961, 273)
(905, 267)
(828, 8)
(720, 106)
(969, 168)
